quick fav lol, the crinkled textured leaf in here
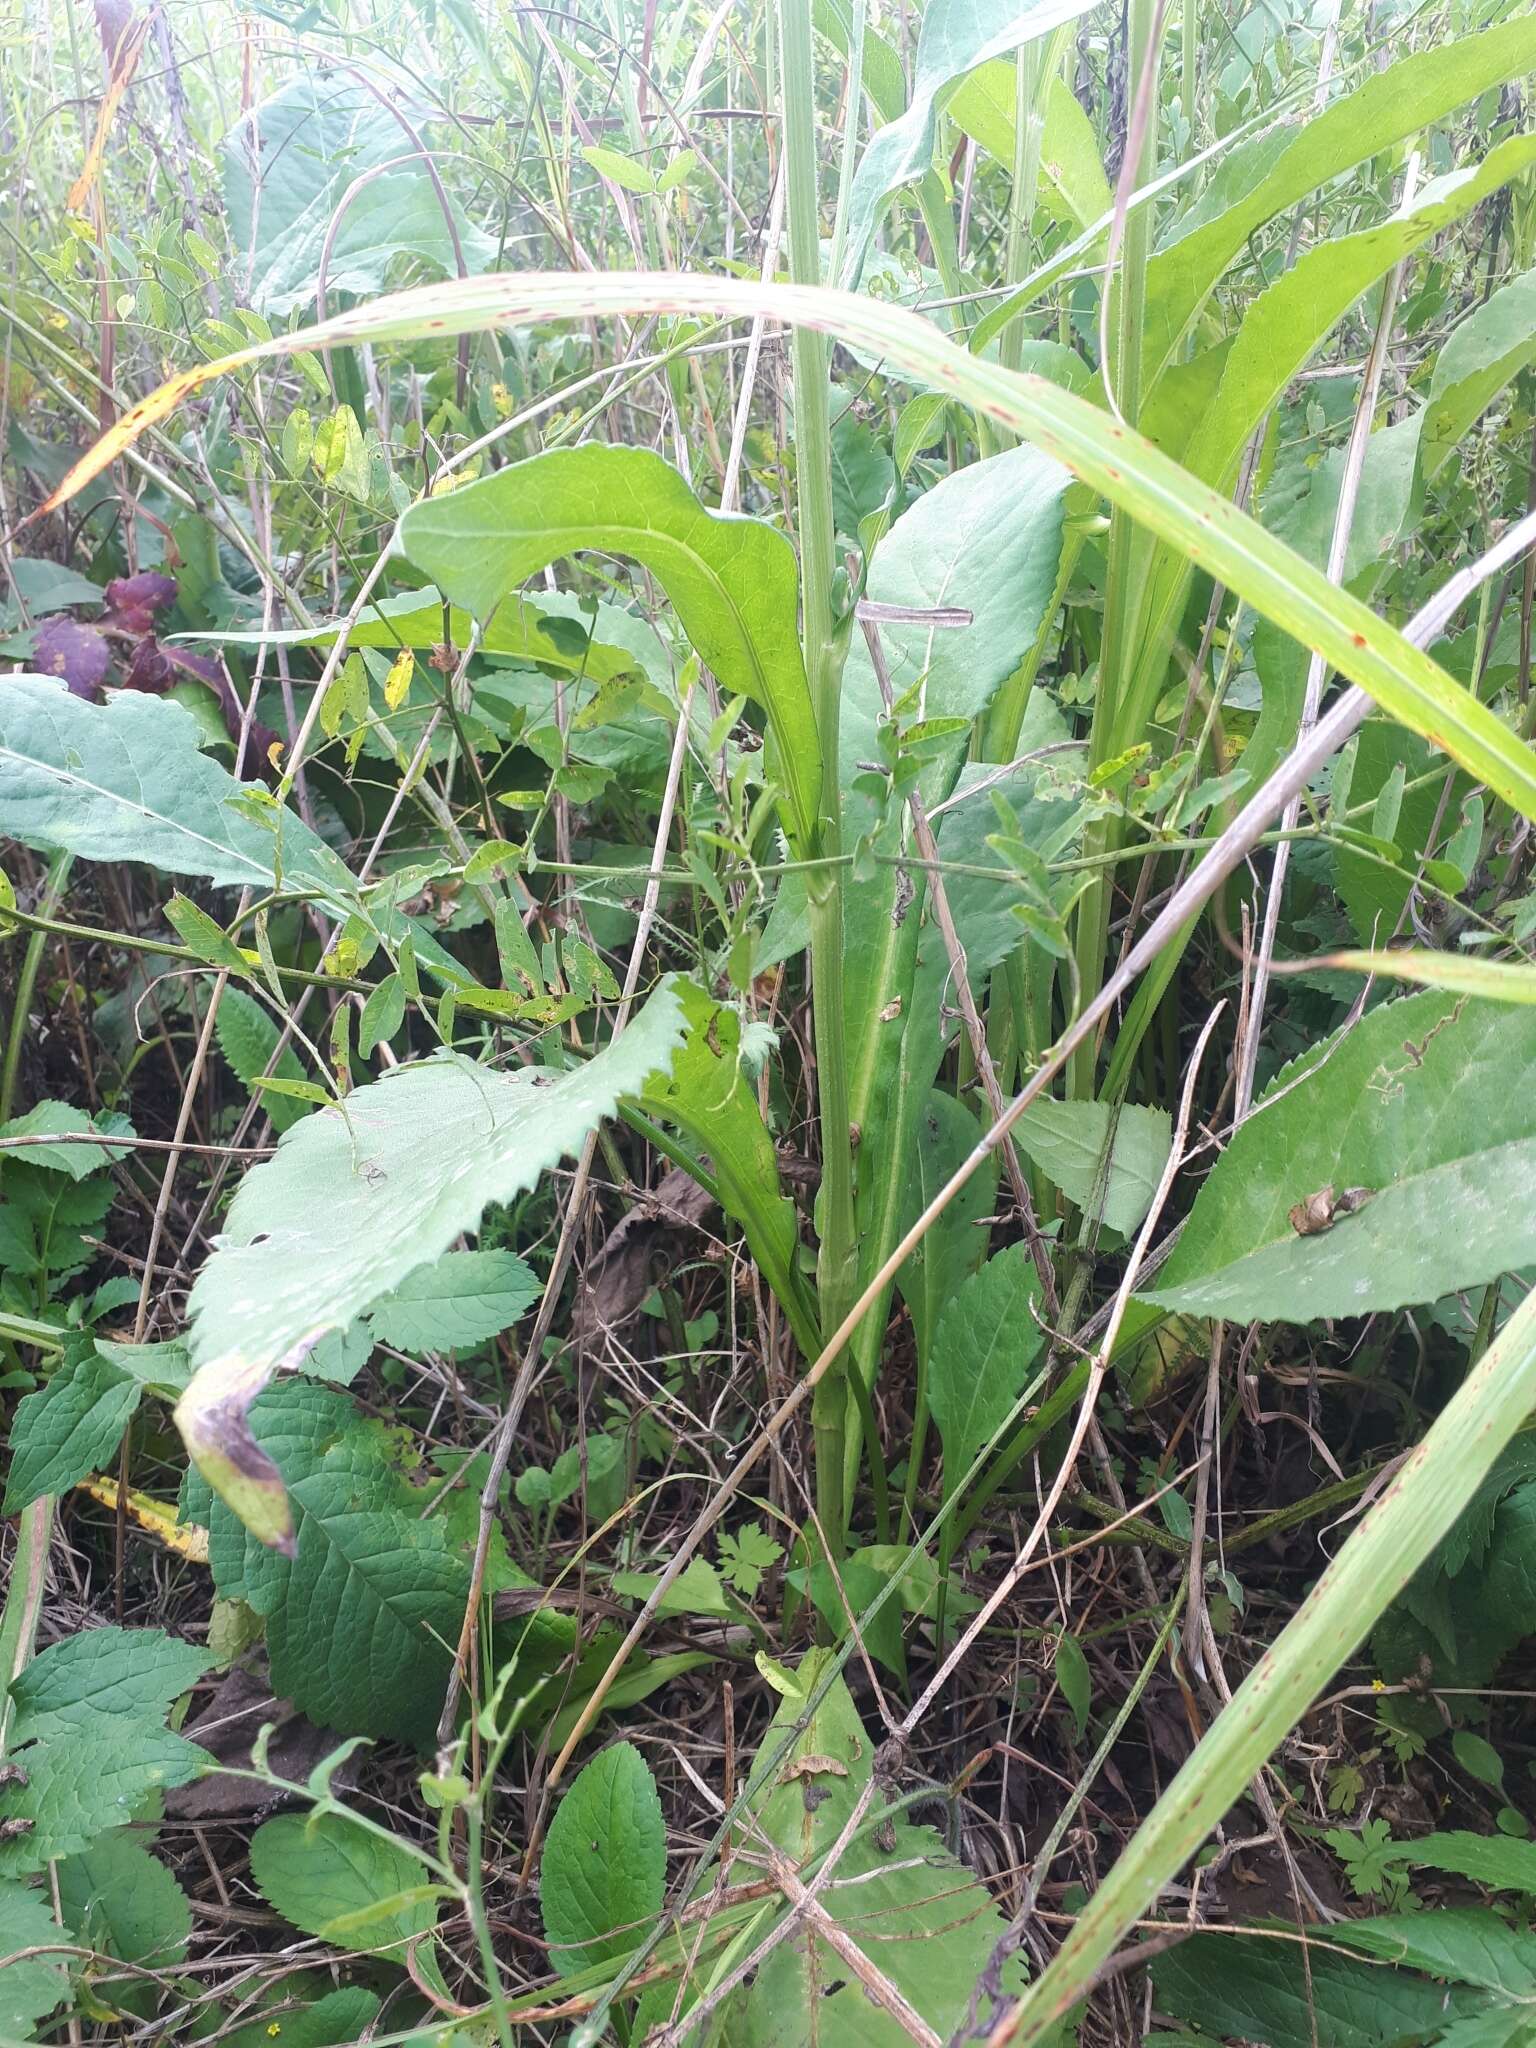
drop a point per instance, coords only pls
(126, 780)
(604, 1872)
(122, 1900)
(248, 1035)
(32, 1988)
(360, 1622)
(1067, 1141)
(918, 1914)
(70, 1427)
(956, 36)
(733, 581)
(983, 1346)
(312, 140)
(463, 1299)
(59, 1119)
(1415, 1102)
(358, 1197)
(317, 1872)
(164, 1368)
(103, 1694)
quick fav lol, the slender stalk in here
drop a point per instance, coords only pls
(1125, 586)
(26, 981)
(836, 1263)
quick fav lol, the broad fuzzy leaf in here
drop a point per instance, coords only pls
(338, 1881)
(103, 1694)
(124, 1901)
(1068, 1142)
(1414, 1104)
(248, 1035)
(289, 169)
(604, 1872)
(461, 1300)
(918, 1914)
(126, 780)
(356, 1199)
(1232, 1985)
(32, 1988)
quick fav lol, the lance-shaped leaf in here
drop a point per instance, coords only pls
(1284, 324)
(1282, 164)
(1483, 353)
(357, 1197)
(706, 1093)
(732, 581)
(956, 36)
(1389, 1166)
(127, 780)
(985, 1343)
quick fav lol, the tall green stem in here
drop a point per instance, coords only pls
(837, 1261)
(1124, 581)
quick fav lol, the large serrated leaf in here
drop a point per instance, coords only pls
(126, 780)
(356, 1199)
(123, 1901)
(603, 1877)
(361, 1619)
(1248, 1986)
(463, 1299)
(103, 1694)
(70, 1427)
(1414, 1105)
